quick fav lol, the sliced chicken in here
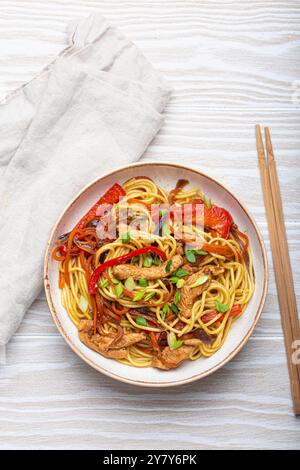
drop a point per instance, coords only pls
(189, 294)
(192, 342)
(123, 271)
(170, 359)
(106, 345)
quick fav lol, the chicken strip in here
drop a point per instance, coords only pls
(123, 271)
(189, 294)
(104, 344)
(172, 358)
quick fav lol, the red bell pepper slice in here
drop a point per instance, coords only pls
(112, 196)
(218, 219)
(119, 260)
(215, 218)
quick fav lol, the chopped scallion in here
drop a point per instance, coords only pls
(177, 297)
(149, 296)
(119, 290)
(202, 280)
(130, 284)
(139, 295)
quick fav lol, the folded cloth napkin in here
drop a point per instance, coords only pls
(96, 107)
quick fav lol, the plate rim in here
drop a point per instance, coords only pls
(136, 382)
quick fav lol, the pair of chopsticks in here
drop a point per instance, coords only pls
(281, 260)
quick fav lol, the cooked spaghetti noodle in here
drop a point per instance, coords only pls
(169, 298)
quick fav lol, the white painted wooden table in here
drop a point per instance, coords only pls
(232, 64)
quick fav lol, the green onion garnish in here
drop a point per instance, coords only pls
(200, 281)
(173, 342)
(114, 280)
(139, 295)
(174, 309)
(168, 266)
(130, 284)
(119, 290)
(148, 261)
(104, 284)
(180, 283)
(222, 308)
(149, 296)
(141, 321)
(173, 279)
(163, 212)
(177, 297)
(143, 282)
(164, 311)
(126, 237)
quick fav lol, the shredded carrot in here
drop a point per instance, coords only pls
(68, 255)
(154, 341)
(57, 255)
(61, 280)
(218, 249)
(117, 310)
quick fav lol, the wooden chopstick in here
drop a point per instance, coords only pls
(281, 259)
(283, 238)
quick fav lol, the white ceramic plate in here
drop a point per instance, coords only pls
(165, 175)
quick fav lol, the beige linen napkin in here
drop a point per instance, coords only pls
(96, 107)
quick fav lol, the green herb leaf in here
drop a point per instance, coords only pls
(148, 261)
(104, 284)
(173, 342)
(173, 279)
(119, 290)
(200, 252)
(168, 266)
(149, 296)
(115, 281)
(174, 309)
(190, 256)
(180, 283)
(141, 321)
(164, 311)
(126, 237)
(143, 282)
(130, 284)
(222, 308)
(180, 273)
(202, 280)
(139, 295)
(166, 230)
(177, 297)
(135, 259)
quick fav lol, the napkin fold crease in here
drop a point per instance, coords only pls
(96, 107)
